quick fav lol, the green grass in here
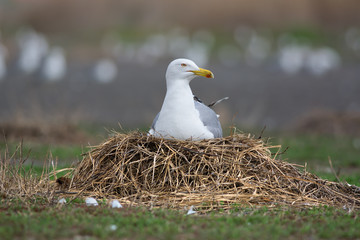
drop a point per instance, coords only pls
(315, 152)
(44, 151)
(308, 35)
(75, 220)
(318, 149)
(38, 155)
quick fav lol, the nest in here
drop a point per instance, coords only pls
(237, 169)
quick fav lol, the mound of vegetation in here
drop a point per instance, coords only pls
(140, 169)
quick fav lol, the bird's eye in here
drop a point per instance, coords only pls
(183, 65)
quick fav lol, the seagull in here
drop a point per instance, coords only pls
(182, 116)
(54, 67)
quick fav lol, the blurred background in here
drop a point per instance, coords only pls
(291, 66)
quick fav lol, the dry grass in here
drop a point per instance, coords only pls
(143, 170)
(19, 183)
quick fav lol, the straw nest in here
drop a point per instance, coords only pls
(141, 169)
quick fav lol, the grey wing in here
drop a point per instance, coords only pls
(209, 118)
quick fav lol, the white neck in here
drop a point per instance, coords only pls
(179, 94)
(178, 116)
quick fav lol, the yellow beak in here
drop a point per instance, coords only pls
(204, 73)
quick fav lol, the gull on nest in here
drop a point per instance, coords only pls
(182, 116)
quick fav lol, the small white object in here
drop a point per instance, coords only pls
(91, 201)
(105, 71)
(115, 204)
(191, 211)
(292, 58)
(113, 227)
(62, 201)
(257, 50)
(33, 47)
(320, 61)
(199, 52)
(55, 64)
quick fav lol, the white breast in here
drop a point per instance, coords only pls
(178, 117)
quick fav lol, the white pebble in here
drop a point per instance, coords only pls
(62, 201)
(116, 204)
(113, 227)
(91, 201)
(191, 211)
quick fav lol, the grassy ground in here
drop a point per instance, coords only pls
(40, 152)
(36, 221)
(38, 218)
(316, 151)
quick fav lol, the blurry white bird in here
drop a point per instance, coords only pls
(322, 60)
(105, 71)
(292, 57)
(33, 46)
(54, 67)
(199, 52)
(257, 50)
(181, 116)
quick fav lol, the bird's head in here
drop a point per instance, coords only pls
(185, 69)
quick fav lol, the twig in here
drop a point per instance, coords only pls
(333, 170)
